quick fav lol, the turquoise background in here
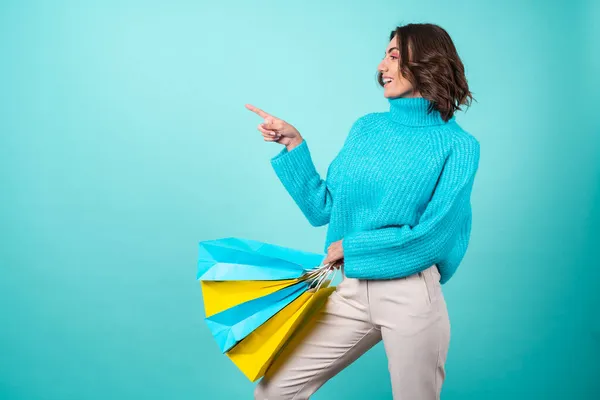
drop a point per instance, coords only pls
(125, 141)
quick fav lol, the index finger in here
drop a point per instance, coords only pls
(257, 110)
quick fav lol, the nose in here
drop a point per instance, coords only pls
(382, 67)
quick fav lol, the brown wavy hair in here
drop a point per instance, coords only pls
(429, 60)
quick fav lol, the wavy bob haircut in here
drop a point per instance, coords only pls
(429, 60)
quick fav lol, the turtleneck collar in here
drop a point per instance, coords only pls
(412, 111)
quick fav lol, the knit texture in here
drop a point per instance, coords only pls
(397, 193)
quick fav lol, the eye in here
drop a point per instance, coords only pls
(393, 57)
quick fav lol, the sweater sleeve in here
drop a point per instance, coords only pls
(402, 250)
(296, 170)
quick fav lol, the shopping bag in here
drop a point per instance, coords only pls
(231, 259)
(221, 295)
(233, 324)
(257, 351)
(256, 294)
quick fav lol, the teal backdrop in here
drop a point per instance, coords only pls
(125, 141)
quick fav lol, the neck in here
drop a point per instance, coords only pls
(413, 111)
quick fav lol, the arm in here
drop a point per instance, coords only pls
(404, 250)
(297, 172)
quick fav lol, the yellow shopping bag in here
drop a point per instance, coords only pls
(222, 295)
(255, 353)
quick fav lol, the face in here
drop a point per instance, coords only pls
(398, 86)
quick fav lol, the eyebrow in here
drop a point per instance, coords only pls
(390, 50)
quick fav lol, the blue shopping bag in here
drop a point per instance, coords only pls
(244, 259)
(232, 325)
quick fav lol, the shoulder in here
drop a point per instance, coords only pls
(464, 146)
(462, 140)
(368, 119)
(363, 124)
(367, 122)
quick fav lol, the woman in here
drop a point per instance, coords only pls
(397, 201)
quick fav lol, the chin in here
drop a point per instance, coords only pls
(393, 94)
(389, 95)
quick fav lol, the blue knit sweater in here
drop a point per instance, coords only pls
(397, 193)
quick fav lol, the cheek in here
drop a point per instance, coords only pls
(403, 83)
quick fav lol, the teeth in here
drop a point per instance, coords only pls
(386, 81)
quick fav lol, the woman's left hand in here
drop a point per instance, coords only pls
(335, 254)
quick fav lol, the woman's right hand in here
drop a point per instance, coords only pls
(276, 130)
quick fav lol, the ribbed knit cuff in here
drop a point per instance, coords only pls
(348, 244)
(353, 255)
(366, 256)
(294, 167)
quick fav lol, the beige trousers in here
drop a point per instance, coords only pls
(409, 314)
